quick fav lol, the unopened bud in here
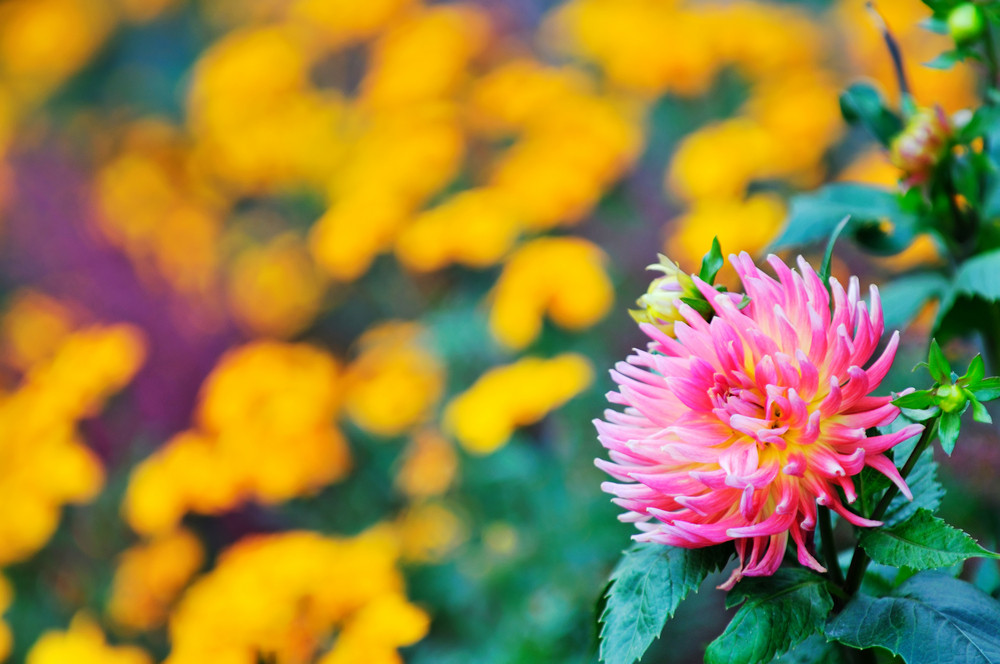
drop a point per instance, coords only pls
(922, 144)
(658, 305)
(950, 398)
(965, 22)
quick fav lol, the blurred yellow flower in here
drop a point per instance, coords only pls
(43, 42)
(274, 289)
(340, 23)
(720, 160)
(476, 227)
(48, 465)
(484, 417)
(626, 38)
(33, 328)
(745, 225)
(562, 277)
(429, 464)
(149, 576)
(82, 643)
(264, 432)
(395, 381)
(424, 57)
(285, 595)
(258, 121)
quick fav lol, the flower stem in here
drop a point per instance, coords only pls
(860, 560)
(829, 550)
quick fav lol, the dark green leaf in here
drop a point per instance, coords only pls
(978, 276)
(921, 542)
(918, 399)
(862, 104)
(948, 432)
(937, 364)
(712, 262)
(777, 613)
(699, 305)
(929, 619)
(646, 587)
(877, 220)
(903, 298)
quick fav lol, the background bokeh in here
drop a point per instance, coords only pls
(307, 305)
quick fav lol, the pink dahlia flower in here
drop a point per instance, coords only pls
(737, 428)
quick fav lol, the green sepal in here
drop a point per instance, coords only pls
(948, 430)
(711, 263)
(937, 364)
(917, 400)
(861, 104)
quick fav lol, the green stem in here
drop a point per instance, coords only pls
(860, 560)
(829, 550)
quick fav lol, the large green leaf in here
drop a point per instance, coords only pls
(903, 298)
(877, 220)
(930, 618)
(777, 613)
(921, 542)
(646, 587)
(976, 277)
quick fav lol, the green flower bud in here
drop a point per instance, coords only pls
(950, 398)
(965, 22)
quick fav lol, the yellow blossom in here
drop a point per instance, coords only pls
(749, 224)
(476, 227)
(284, 595)
(33, 327)
(274, 289)
(395, 380)
(424, 57)
(561, 277)
(484, 417)
(340, 23)
(149, 577)
(82, 643)
(43, 42)
(264, 432)
(428, 465)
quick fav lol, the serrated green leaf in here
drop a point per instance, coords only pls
(903, 298)
(921, 542)
(930, 618)
(777, 613)
(951, 424)
(919, 399)
(813, 216)
(937, 364)
(861, 104)
(712, 262)
(646, 587)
